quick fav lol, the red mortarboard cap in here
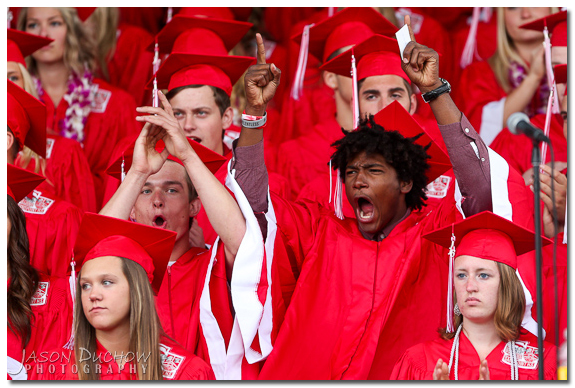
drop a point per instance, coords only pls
(211, 159)
(550, 21)
(174, 36)
(27, 119)
(107, 236)
(487, 236)
(394, 117)
(560, 73)
(85, 12)
(208, 12)
(556, 25)
(377, 55)
(21, 44)
(190, 69)
(21, 182)
(347, 27)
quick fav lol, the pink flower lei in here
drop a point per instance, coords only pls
(79, 98)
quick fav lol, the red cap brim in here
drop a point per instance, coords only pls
(394, 117)
(85, 12)
(523, 239)
(211, 159)
(35, 114)
(550, 21)
(230, 32)
(232, 66)
(24, 45)
(158, 243)
(21, 182)
(332, 34)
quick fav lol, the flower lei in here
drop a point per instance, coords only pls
(79, 98)
(517, 74)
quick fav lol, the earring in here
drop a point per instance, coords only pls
(456, 310)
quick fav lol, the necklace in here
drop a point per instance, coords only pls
(79, 97)
(455, 355)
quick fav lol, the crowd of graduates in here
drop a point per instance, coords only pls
(284, 193)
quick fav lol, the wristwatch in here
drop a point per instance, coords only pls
(433, 94)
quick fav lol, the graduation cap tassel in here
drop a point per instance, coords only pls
(123, 176)
(552, 92)
(297, 87)
(450, 326)
(170, 14)
(330, 181)
(10, 17)
(470, 49)
(337, 198)
(549, 70)
(156, 66)
(355, 93)
(72, 281)
(330, 11)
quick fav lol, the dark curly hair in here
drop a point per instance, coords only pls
(407, 158)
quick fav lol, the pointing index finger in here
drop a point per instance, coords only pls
(407, 20)
(261, 53)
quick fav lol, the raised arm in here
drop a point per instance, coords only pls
(221, 208)
(469, 155)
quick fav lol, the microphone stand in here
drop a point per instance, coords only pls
(536, 162)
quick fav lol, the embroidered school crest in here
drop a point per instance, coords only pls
(438, 188)
(101, 99)
(37, 204)
(527, 356)
(41, 294)
(171, 362)
(49, 145)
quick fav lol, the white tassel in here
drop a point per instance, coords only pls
(156, 66)
(450, 327)
(297, 87)
(169, 16)
(330, 181)
(338, 196)
(72, 281)
(355, 95)
(123, 176)
(470, 49)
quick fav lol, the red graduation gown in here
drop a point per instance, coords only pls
(418, 362)
(177, 364)
(68, 170)
(52, 225)
(51, 324)
(112, 118)
(179, 298)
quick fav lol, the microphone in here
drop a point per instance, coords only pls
(518, 123)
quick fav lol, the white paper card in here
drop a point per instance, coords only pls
(403, 38)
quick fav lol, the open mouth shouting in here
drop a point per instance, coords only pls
(159, 222)
(364, 210)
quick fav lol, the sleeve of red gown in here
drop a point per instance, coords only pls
(483, 100)
(411, 366)
(69, 171)
(195, 368)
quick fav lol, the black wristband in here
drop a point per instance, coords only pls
(433, 94)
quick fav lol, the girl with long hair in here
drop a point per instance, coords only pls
(80, 106)
(483, 339)
(117, 332)
(39, 306)
(512, 80)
